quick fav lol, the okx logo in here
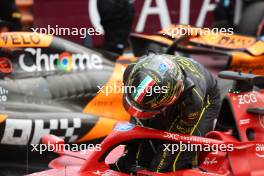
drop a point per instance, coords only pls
(64, 61)
(3, 94)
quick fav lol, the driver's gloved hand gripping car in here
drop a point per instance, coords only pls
(171, 93)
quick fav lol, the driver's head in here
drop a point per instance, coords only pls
(151, 85)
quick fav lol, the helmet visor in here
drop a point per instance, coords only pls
(138, 112)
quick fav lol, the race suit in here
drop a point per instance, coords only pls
(194, 114)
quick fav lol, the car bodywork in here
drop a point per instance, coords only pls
(36, 85)
(245, 53)
(243, 129)
(51, 85)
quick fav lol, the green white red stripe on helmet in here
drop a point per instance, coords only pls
(143, 88)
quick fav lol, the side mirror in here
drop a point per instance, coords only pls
(259, 110)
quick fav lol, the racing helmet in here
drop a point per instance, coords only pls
(152, 84)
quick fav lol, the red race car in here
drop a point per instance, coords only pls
(240, 126)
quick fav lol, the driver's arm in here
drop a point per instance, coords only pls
(128, 161)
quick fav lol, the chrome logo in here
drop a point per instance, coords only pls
(64, 63)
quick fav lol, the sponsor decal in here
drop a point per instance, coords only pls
(25, 131)
(171, 136)
(210, 161)
(260, 149)
(3, 94)
(124, 127)
(236, 42)
(178, 137)
(244, 121)
(5, 65)
(247, 98)
(164, 13)
(19, 39)
(64, 61)
(105, 173)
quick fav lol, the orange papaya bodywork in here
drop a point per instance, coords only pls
(247, 63)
